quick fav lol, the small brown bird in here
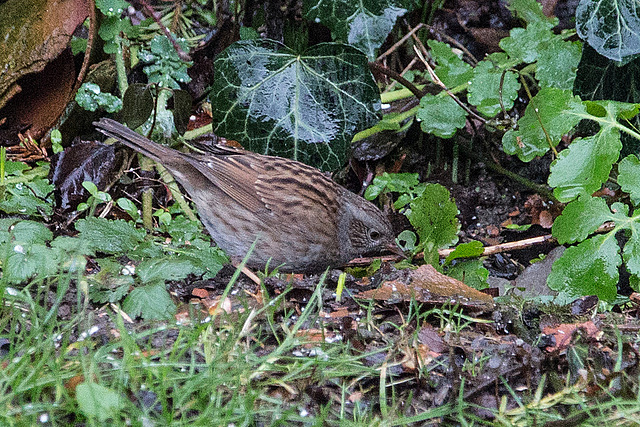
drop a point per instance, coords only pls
(300, 218)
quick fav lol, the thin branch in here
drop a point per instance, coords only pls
(399, 42)
(148, 10)
(397, 77)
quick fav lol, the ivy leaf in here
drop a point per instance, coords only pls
(552, 110)
(364, 25)
(612, 28)
(304, 106)
(440, 115)
(590, 268)
(629, 177)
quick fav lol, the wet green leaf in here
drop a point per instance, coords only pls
(150, 302)
(110, 236)
(629, 177)
(612, 27)
(485, 91)
(433, 214)
(363, 24)
(590, 268)
(441, 116)
(551, 112)
(304, 106)
(451, 69)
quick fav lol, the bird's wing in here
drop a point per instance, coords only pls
(271, 186)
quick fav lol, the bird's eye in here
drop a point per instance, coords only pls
(374, 235)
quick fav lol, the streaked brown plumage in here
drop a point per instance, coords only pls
(301, 218)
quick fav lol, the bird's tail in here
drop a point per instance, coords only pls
(134, 140)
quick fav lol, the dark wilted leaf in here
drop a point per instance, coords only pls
(87, 161)
(137, 105)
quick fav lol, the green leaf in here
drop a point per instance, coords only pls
(364, 25)
(161, 269)
(629, 177)
(27, 195)
(137, 105)
(524, 44)
(248, 33)
(580, 218)
(433, 215)
(304, 106)
(558, 64)
(97, 401)
(109, 284)
(465, 250)
(631, 251)
(30, 232)
(612, 27)
(451, 69)
(115, 237)
(182, 229)
(151, 302)
(586, 164)
(471, 273)
(165, 66)
(129, 207)
(553, 110)
(605, 79)
(396, 182)
(72, 245)
(440, 115)
(112, 7)
(582, 168)
(485, 90)
(205, 258)
(531, 11)
(24, 261)
(407, 240)
(90, 97)
(590, 268)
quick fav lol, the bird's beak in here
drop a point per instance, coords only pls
(394, 249)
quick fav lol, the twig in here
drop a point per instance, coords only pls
(506, 247)
(399, 42)
(397, 77)
(152, 13)
(437, 81)
(402, 73)
(488, 250)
